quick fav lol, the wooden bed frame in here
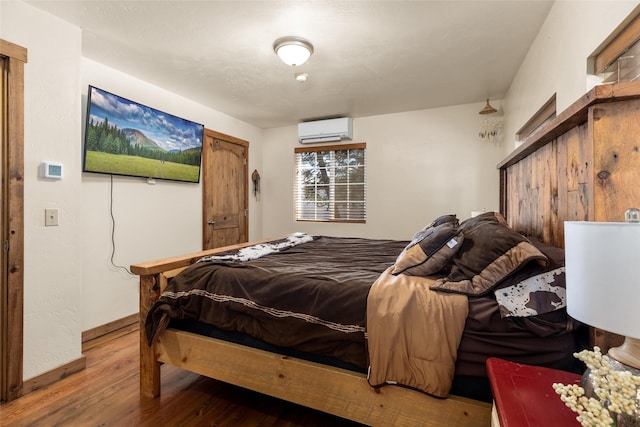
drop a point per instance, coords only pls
(586, 156)
(333, 390)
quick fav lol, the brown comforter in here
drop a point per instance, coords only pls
(413, 333)
(311, 297)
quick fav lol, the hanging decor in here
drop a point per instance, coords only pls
(255, 178)
(491, 130)
(488, 109)
(491, 125)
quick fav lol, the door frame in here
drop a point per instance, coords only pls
(12, 286)
(206, 174)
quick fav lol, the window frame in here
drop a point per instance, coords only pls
(617, 45)
(297, 183)
(544, 115)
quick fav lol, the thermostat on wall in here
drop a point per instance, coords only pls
(52, 170)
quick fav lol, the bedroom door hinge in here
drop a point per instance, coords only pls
(6, 245)
(244, 161)
(246, 212)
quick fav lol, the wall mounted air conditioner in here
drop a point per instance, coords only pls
(325, 130)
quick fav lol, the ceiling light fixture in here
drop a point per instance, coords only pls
(293, 51)
(488, 109)
(302, 77)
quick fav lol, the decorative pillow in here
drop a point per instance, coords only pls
(491, 251)
(430, 250)
(452, 218)
(534, 289)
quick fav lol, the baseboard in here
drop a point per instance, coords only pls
(91, 334)
(111, 330)
(54, 375)
(90, 338)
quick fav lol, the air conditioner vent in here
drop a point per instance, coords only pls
(325, 130)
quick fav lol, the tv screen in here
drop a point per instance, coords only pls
(123, 137)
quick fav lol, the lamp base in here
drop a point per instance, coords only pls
(628, 353)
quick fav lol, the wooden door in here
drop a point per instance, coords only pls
(13, 59)
(225, 197)
(3, 236)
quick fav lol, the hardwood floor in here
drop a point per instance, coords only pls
(106, 393)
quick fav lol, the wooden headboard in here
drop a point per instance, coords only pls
(584, 165)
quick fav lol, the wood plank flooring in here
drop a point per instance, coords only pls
(106, 393)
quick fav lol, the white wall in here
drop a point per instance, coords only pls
(152, 221)
(420, 164)
(69, 286)
(557, 59)
(52, 256)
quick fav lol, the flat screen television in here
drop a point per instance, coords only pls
(123, 137)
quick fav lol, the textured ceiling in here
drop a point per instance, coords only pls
(371, 57)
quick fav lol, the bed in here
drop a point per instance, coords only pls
(344, 280)
(348, 392)
(338, 390)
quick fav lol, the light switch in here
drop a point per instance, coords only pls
(50, 217)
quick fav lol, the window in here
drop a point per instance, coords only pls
(543, 116)
(626, 67)
(617, 60)
(330, 183)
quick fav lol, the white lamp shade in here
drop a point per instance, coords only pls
(603, 275)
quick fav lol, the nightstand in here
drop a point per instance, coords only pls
(524, 397)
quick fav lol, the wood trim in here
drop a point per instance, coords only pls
(3, 229)
(54, 375)
(107, 328)
(12, 50)
(225, 137)
(574, 115)
(343, 221)
(163, 265)
(504, 191)
(96, 336)
(616, 47)
(336, 391)
(13, 207)
(354, 146)
(545, 113)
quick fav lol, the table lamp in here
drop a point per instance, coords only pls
(603, 279)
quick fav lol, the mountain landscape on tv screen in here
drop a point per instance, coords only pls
(126, 138)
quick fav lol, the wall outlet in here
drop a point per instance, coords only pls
(50, 217)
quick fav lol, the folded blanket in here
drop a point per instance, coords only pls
(413, 333)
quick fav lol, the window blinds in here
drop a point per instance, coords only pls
(330, 183)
